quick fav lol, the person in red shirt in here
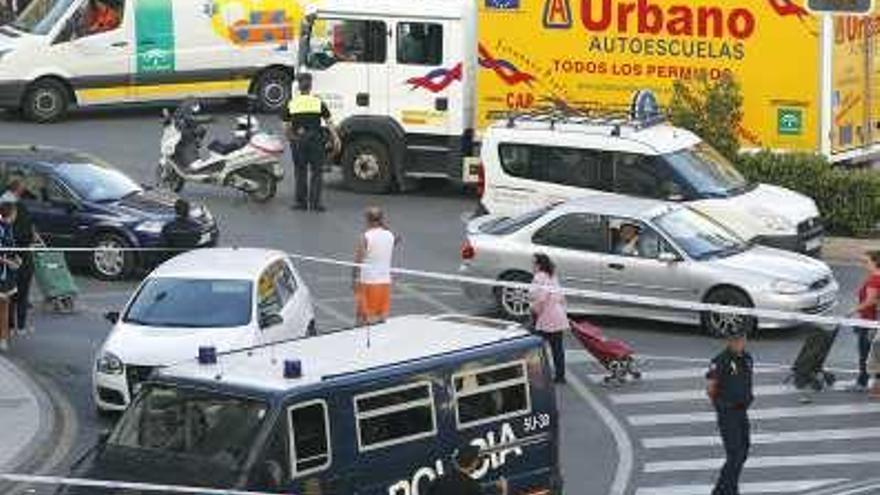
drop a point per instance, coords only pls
(869, 297)
(101, 17)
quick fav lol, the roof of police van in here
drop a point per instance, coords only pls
(449, 9)
(398, 341)
(656, 139)
(218, 263)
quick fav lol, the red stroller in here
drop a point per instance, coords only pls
(615, 355)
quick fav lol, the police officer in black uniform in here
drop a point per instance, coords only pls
(303, 117)
(730, 389)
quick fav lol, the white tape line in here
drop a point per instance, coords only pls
(620, 299)
(147, 487)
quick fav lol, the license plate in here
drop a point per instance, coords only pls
(205, 239)
(813, 244)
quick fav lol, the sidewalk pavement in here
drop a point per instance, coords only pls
(26, 415)
(847, 250)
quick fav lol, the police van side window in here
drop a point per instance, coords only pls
(394, 416)
(575, 167)
(491, 394)
(419, 43)
(309, 438)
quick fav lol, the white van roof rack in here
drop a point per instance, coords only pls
(642, 113)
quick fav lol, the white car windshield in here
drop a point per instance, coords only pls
(41, 16)
(699, 236)
(191, 423)
(192, 303)
(707, 172)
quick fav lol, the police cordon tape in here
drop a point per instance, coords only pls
(613, 297)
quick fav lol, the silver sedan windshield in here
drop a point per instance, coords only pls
(698, 236)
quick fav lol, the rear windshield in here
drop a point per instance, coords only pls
(195, 423)
(170, 302)
(509, 225)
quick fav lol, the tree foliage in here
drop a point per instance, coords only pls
(711, 109)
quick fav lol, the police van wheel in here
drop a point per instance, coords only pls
(366, 166)
(45, 101)
(726, 324)
(272, 89)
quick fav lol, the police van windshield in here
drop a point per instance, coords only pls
(41, 16)
(707, 172)
(204, 425)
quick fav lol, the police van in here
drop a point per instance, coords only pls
(61, 53)
(371, 411)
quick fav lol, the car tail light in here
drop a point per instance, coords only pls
(481, 180)
(467, 251)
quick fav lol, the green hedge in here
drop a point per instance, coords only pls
(848, 199)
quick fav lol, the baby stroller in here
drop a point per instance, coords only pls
(808, 369)
(616, 356)
(55, 281)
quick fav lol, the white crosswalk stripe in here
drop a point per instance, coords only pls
(796, 448)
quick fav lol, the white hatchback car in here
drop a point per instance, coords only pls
(224, 298)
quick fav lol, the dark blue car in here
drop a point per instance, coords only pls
(77, 200)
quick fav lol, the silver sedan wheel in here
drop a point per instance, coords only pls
(727, 323)
(515, 302)
(109, 258)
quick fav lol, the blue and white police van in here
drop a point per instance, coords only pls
(367, 411)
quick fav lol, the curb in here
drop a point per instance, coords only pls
(57, 426)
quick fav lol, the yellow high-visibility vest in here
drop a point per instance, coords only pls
(304, 104)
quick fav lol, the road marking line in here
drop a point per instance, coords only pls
(764, 462)
(764, 438)
(625, 453)
(678, 374)
(691, 395)
(756, 414)
(425, 298)
(794, 486)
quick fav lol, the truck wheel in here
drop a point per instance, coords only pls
(111, 260)
(272, 89)
(725, 324)
(46, 100)
(366, 166)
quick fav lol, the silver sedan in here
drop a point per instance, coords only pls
(633, 247)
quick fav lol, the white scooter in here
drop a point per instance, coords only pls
(251, 162)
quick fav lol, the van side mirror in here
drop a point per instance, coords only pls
(112, 316)
(270, 320)
(667, 257)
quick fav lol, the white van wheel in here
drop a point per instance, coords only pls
(45, 101)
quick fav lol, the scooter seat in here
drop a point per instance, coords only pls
(225, 147)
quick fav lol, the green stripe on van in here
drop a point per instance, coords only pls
(154, 33)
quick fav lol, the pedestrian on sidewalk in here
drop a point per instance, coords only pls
(869, 355)
(25, 236)
(371, 280)
(9, 263)
(730, 389)
(459, 480)
(548, 310)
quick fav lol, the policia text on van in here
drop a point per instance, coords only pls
(296, 417)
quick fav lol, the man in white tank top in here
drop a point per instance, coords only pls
(372, 281)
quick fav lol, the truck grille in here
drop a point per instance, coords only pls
(136, 375)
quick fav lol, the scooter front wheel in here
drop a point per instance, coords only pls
(168, 178)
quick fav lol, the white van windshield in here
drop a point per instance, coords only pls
(192, 423)
(707, 172)
(41, 16)
(700, 237)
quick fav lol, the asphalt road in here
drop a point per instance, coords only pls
(666, 403)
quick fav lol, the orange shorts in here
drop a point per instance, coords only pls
(373, 301)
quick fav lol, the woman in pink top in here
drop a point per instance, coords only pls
(548, 310)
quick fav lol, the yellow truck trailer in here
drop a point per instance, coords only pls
(811, 82)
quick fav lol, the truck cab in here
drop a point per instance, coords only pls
(399, 79)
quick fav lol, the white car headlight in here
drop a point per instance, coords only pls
(776, 223)
(150, 227)
(109, 364)
(789, 287)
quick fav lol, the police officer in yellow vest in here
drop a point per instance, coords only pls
(302, 120)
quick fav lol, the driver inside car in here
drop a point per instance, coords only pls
(628, 240)
(102, 17)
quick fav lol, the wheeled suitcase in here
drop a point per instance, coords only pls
(616, 356)
(55, 281)
(808, 368)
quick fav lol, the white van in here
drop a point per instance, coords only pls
(529, 162)
(61, 53)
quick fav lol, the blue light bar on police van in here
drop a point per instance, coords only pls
(207, 355)
(292, 368)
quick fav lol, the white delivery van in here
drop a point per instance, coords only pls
(61, 53)
(530, 161)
